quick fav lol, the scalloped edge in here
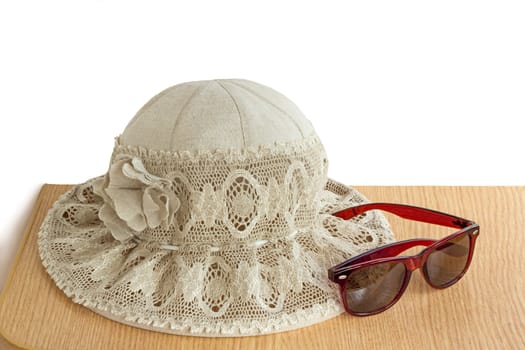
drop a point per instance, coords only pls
(254, 152)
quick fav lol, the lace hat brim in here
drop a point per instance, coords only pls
(239, 290)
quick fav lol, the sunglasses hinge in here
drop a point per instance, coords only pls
(331, 275)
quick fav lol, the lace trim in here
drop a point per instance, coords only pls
(249, 290)
(301, 318)
(212, 197)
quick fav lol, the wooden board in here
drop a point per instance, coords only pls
(484, 310)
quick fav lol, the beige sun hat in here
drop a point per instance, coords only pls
(212, 220)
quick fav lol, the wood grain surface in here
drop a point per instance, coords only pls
(485, 310)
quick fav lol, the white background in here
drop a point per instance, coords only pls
(400, 92)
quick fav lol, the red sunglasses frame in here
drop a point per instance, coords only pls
(389, 253)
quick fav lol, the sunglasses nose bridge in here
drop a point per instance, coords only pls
(414, 262)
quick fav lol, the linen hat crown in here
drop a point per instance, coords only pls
(216, 114)
(213, 218)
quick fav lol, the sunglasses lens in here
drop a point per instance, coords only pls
(446, 263)
(374, 287)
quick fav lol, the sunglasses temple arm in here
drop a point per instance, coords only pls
(407, 212)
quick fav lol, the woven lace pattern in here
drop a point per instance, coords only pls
(247, 253)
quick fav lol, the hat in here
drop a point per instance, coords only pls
(212, 220)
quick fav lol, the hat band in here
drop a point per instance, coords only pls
(166, 198)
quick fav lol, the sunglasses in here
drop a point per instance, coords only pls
(372, 282)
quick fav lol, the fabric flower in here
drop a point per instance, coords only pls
(134, 199)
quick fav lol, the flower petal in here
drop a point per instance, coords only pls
(173, 206)
(98, 188)
(135, 198)
(119, 228)
(137, 171)
(117, 177)
(155, 206)
(128, 206)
